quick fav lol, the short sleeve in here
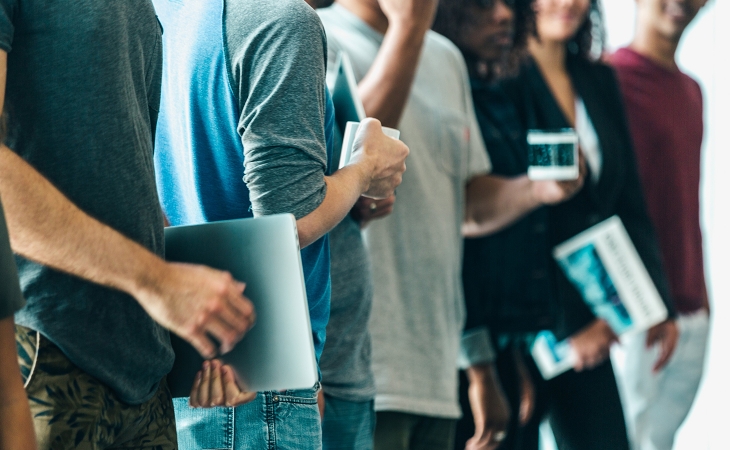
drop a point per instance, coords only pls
(278, 77)
(7, 28)
(476, 348)
(11, 298)
(478, 158)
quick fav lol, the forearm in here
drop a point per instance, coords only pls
(386, 87)
(495, 202)
(46, 227)
(16, 426)
(344, 188)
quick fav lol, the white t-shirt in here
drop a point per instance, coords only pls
(589, 144)
(418, 307)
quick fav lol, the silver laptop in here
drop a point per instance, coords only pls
(278, 352)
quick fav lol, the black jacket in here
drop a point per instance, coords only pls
(511, 281)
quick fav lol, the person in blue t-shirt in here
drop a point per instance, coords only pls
(242, 133)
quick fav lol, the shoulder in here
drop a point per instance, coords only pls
(692, 83)
(292, 17)
(438, 46)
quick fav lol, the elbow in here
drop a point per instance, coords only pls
(478, 224)
(307, 232)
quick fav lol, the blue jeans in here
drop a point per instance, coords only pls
(348, 425)
(274, 421)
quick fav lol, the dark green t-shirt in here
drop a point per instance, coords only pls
(11, 299)
(83, 91)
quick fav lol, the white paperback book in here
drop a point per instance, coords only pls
(603, 264)
(348, 141)
(342, 85)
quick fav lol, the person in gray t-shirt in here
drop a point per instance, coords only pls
(77, 182)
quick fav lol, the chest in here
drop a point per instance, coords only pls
(667, 125)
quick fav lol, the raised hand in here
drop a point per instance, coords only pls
(413, 14)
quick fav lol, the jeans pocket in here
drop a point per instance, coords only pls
(297, 421)
(203, 428)
(302, 396)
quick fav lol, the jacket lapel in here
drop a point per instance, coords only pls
(590, 85)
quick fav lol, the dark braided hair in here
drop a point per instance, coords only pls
(453, 15)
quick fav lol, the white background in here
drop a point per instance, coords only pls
(705, 54)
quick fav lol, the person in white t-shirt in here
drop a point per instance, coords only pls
(415, 80)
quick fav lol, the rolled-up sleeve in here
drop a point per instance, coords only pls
(278, 72)
(476, 348)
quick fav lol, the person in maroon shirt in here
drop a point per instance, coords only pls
(665, 112)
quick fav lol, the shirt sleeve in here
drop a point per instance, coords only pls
(478, 162)
(11, 298)
(277, 71)
(476, 348)
(7, 28)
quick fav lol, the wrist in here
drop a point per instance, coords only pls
(533, 199)
(408, 31)
(481, 373)
(363, 170)
(146, 279)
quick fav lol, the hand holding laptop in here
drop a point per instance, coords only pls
(215, 385)
(197, 303)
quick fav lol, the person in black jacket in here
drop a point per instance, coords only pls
(490, 34)
(511, 282)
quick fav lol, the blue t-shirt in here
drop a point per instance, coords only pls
(245, 121)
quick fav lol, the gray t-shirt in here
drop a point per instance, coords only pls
(83, 91)
(418, 305)
(346, 361)
(241, 128)
(11, 299)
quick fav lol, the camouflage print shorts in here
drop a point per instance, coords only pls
(72, 410)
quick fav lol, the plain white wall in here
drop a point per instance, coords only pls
(704, 54)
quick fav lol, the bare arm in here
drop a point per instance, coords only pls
(494, 202)
(387, 85)
(46, 227)
(16, 426)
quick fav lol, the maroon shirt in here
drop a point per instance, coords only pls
(664, 109)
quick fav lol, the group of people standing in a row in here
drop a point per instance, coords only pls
(122, 116)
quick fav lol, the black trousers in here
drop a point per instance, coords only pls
(584, 409)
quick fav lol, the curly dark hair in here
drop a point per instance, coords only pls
(452, 15)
